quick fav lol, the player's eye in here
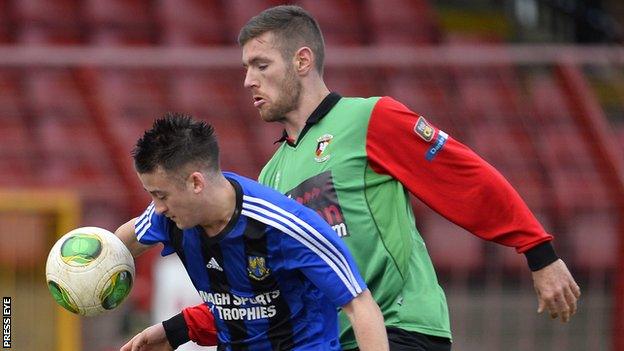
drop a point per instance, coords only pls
(263, 67)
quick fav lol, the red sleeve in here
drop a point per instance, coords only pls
(201, 325)
(449, 177)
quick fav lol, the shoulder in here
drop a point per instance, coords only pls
(351, 113)
(357, 107)
(387, 104)
(363, 103)
(256, 195)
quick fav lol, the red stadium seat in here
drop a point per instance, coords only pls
(238, 12)
(55, 91)
(17, 171)
(6, 33)
(212, 92)
(85, 167)
(16, 150)
(212, 96)
(49, 35)
(576, 180)
(416, 92)
(122, 22)
(73, 154)
(50, 22)
(486, 97)
(353, 81)
(594, 237)
(132, 99)
(426, 92)
(10, 95)
(193, 22)
(14, 137)
(17, 156)
(47, 12)
(549, 101)
(403, 22)
(341, 21)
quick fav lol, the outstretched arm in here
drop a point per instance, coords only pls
(368, 323)
(455, 182)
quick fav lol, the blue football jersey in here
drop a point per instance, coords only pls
(273, 278)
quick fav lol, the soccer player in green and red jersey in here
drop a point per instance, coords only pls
(354, 159)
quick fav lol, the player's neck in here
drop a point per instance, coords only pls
(220, 207)
(310, 99)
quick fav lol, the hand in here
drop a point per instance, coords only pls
(150, 339)
(556, 291)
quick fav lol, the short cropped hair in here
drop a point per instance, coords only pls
(175, 141)
(293, 27)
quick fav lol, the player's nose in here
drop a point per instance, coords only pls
(250, 80)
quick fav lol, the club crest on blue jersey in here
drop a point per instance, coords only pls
(256, 267)
(321, 147)
(424, 129)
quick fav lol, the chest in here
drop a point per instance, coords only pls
(324, 149)
(245, 264)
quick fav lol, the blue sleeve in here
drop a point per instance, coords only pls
(313, 247)
(151, 228)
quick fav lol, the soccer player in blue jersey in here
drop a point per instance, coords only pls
(272, 273)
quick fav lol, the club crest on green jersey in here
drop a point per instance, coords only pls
(321, 146)
(424, 129)
(256, 267)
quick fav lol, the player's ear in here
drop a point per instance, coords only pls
(304, 60)
(197, 182)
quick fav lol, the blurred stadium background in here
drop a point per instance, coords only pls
(534, 86)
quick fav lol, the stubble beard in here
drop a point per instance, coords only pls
(290, 90)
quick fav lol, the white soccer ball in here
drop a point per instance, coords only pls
(89, 271)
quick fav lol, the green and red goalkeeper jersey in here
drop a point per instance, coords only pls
(354, 163)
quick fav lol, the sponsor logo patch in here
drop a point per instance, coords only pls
(424, 129)
(321, 147)
(439, 144)
(256, 267)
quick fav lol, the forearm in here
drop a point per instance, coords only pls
(370, 337)
(368, 324)
(127, 235)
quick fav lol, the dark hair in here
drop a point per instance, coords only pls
(174, 141)
(293, 27)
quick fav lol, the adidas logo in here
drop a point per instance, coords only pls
(214, 265)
